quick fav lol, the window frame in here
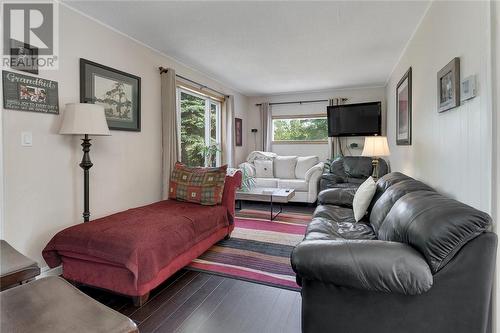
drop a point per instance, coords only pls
(299, 116)
(218, 118)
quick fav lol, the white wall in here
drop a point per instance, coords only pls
(43, 183)
(496, 143)
(355, 96)
(452, 150)
(456, 151)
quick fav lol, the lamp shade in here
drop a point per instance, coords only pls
(82, 118)
(376, 146)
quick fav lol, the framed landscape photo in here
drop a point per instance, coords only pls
(448, 85)
(403, 110)
(238, 126)
(118, 92)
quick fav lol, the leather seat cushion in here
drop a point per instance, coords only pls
(435, 225)
(355, 181)
(335, 213)
(326, 229)
(333, 222)
(296, 184)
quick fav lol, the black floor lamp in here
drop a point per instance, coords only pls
(84, 119)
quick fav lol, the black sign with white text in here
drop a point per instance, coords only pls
(28, 93)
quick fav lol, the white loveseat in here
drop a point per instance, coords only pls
(291, 172)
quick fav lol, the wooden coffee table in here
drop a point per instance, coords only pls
(264, 194)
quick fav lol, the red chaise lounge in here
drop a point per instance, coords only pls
(134, 251)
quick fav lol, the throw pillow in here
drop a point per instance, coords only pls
(284, 167)
(263, 168)
(199, 185)
(304, 164)
(363, 197)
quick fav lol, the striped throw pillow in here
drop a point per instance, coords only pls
(198, 185)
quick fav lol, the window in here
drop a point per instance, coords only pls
(300, 129)
(199, 118)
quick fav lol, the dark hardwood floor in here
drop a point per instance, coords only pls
(194, 302)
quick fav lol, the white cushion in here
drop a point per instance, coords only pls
(266, 182)
(363, 197)
(263, 168)
(303, 164)
(284, 167)
(296, 184)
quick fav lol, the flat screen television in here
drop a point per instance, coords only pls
(363, 119)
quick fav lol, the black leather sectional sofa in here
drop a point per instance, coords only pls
(419, 263)
(349, 172)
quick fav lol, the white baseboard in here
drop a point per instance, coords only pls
(46, 271)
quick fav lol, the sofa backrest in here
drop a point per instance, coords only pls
(358, 166)
(284, 167)
(390, 195)
(383, 184)
(293, 167)
(304, 163)
(354, 169)
(433, 224)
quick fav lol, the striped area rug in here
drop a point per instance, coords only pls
(258, 250)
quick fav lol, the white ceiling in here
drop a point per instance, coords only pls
(261, 48)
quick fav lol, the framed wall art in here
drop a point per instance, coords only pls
(28, 93)
(403, 110)
(118, 92)
(238, 130)
(448, 86)
(23, 57)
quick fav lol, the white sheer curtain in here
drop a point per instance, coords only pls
(229, 156)
(266, 125)
(170, 137)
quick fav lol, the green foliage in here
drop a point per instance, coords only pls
(300, 129)
(194, 149)
(192, 130)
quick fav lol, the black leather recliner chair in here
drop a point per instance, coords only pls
(418, 263)
(349, 172)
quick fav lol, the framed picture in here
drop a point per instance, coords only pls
(118, 92)
(403, 110)
(238, 126)
(23, 57)
(448, 85)
(29, 93)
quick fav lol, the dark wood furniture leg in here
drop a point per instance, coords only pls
(140, 300)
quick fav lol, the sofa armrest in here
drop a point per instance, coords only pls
(333, 178)
(372, 265)
(315, 172)
(249, 168)
(337, 196)
(231, 184)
